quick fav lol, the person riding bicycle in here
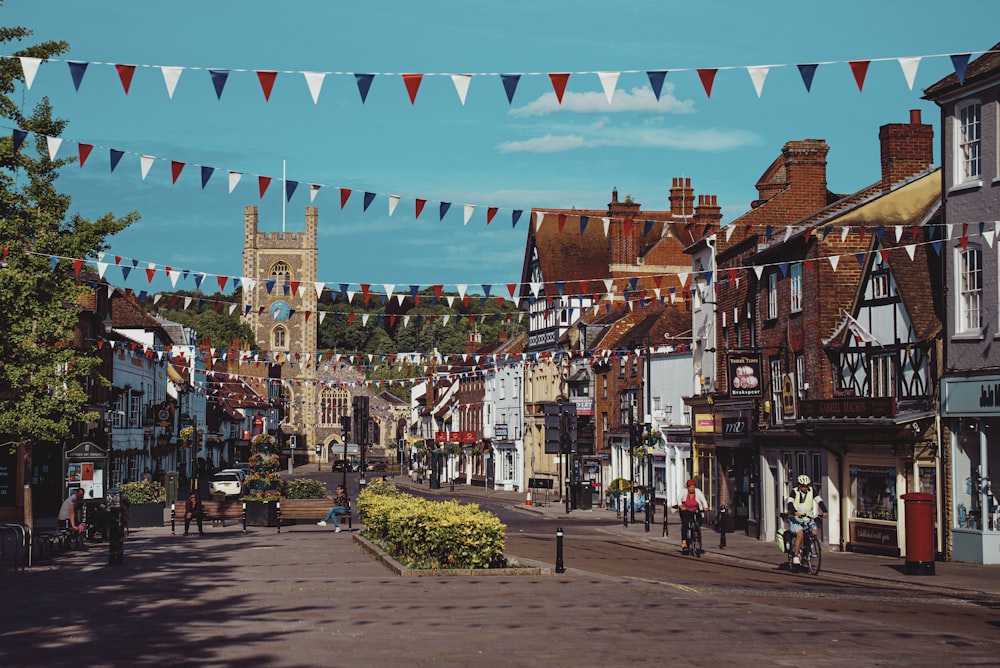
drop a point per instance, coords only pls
(690, 506)
(804, 506)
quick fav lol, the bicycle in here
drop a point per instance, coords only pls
(810, 554)
(693, 527)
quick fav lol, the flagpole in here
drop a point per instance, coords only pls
(284, 185)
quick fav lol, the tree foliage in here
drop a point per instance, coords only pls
(43, 375)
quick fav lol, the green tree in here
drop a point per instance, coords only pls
(42, 373)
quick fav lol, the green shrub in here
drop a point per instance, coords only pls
(303, 488)
(618, 485)
(142, 492)
(432, 534)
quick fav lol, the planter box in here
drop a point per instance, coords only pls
(262, 514)
(145, 515)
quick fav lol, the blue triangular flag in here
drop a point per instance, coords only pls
(19, 137)
(808, 72)
(369, 197)
(826, 232)
(510, 85)
(198, 278)
(364, 84)
(647, 227)
(444, 209)
(860, 257)
(767, 232)
(583, 223)
(414, 289)
(516, 216)
(206, 174)
(656, 78)
(290, 187)
(125, 272)
(53, 261)
(76, 70)
(116, 157)
(936, 245)
(486, 289)
(219, 81)
(960, 62)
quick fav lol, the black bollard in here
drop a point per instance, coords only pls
(722, 527)
(116, 537)
(560, 568)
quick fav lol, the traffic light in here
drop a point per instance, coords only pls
(553, 427)
(345, 427)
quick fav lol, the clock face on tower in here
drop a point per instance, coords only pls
(280, 311)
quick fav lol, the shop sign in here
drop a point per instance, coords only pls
(500, 432)
(584, 405)
(704, 423)
(847, 407)
(970, 396)
(787, 397)
(744, 375)
(734, 427)
(879, 537)
(455, 437)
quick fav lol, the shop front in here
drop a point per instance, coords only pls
(970, 411)
(737, 466)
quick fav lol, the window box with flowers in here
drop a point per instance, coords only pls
(145, 503)
(187, 436)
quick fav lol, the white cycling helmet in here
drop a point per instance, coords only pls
(804, 480)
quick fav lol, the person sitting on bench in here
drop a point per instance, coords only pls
(341, 506)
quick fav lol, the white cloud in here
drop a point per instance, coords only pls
(639, 99)
(601, 136)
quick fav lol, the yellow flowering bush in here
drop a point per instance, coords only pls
(432, 534)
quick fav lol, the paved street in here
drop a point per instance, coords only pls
(308, 596)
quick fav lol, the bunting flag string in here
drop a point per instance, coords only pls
(608, 80)
(605, 292)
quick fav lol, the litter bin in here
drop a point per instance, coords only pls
(585, 499)
(919, 518)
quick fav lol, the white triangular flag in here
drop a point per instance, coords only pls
(173, 275)
(461, 290)
(469, 208)
(949, 228)
(350, 295)
(232, 308)
(101, 268)
(389, 288)
(844, 231)
(683, 278)
(909, 66)
(539, 217)
(609, 285)
(899, 233)
(322, 316)
(461, 82)
(170, 78)
(30, 67)
(757, 76)
(364, 319)
(313, 191)
(988, 237)
(608, 82)
(759, 270)
(451, 300)
(54, 144)
(607, 224)
(909, 250)
(248, 283)
(234, 178)
(447, 319)
(145, 162)
(834, 261)
(393, 201)
(535, 288)
(788, 234)
(319, 285)
(315, 82)
(729, 232)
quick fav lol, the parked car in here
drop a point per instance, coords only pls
(340, 465)
(242, 473)
(375, 465)
(228, 484)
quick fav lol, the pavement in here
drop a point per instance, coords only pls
(308, 596)
(738, 546)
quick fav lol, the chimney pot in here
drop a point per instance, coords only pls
(914, 117)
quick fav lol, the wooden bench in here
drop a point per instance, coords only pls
(234, 511)
(309, 509)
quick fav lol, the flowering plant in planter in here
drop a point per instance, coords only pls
(187, 434)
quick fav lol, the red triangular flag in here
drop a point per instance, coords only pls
(125, 73)
(150, 272)
(437, 290)
(490, 212)
(263, 182)
(512, 288)
(77, 266)
(267, 78)
(559, 82)
(221, 280)
(345, 194)
(350, 318)
(176, 167)
(420, 206)
(707, 79)
(85, 150)
(412, 82)
(860, 69)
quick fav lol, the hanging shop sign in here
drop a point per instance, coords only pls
(744, 375)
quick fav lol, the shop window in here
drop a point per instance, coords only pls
(976, 504)
(873, 491)
(707, 477)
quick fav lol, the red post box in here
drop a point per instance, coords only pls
(919, 517)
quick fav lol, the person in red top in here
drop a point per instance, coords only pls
(692, 502)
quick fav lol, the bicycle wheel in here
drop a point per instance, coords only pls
(815, 555)
(696, 542)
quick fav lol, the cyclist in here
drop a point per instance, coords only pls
(804, 506)
(690, 506)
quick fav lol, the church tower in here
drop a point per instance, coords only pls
(282, 267)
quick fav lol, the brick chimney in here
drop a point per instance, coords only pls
(681, 197)
(473, 342)
(626, 208)
(805, 167)
(708, 212)
(907, 149)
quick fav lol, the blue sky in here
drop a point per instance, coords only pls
(487, 152)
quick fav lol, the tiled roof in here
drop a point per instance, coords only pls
(983, 67)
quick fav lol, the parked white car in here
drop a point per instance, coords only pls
(228, 484)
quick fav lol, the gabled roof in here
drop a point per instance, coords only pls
(982, 68)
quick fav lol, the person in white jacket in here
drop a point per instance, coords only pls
(691, 505)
